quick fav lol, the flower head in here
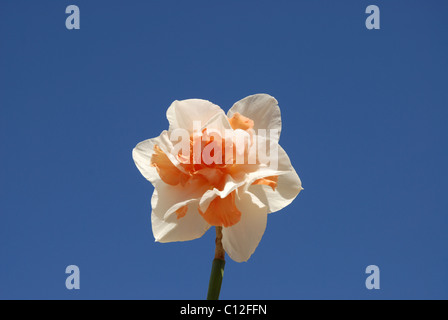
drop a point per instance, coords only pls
(212, 169)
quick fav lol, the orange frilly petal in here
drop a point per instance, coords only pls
(182, 211)
(222, 211)
(269, 181)
(167, 171)
(240, 122)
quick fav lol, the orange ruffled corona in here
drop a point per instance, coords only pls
(221, 211)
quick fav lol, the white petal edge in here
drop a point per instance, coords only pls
(166, 227)
(288, 187)
(241, 240)
(281, 166)
(143, 152)
(262, 108)
(182, 113)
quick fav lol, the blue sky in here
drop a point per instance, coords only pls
(364, 122)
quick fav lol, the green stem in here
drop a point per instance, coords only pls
(214, 286)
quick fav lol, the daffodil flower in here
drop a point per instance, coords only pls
(193, 193)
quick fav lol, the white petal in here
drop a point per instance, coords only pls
(143, 152)
(282, 166)
(218, 122)
(262, 109)
(288, 185)
(182, 114)
(166, 226)
(241, 239)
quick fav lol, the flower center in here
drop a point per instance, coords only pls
(207, 173)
